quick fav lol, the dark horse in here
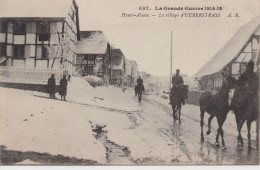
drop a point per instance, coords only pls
(246, 107)
(216, 105)
(139, 89)
(177, 96)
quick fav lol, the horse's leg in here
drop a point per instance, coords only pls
(248, 133)
(240, 123)
(139, 97)
(202, 112)
(209, 124)
(179, 109)
(221, 132)
(218, 132)
(173, 111)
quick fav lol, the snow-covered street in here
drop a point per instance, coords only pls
(106, 126)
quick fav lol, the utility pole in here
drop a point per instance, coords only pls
(171, 65)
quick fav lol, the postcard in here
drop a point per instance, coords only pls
(129, 82)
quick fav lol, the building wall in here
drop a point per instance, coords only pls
(117, 76)
(95, 62)
(134, 72)
(128, 67)
(34, 43)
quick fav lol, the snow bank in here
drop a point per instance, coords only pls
(36, 124)
(80, 91)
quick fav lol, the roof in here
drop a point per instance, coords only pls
(35, 8)
(231, 49)
(133, 63)
(127, 62)
(117, 60)
(92, 42)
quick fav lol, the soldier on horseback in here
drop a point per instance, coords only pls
(139, 88)
(247, 81)
(177, 83)
(245, 102)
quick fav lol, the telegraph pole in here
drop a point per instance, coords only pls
(171, 65)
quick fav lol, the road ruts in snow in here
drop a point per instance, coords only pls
(188, 135)
(165, 127)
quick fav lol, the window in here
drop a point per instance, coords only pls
(3, 27)
(10, 28)
(18, 51)
(19, 28)
(42, 52)
(2, 49)
(44, 31)
(90, 60)
(88, 69)
(45, 53)
(29, 51)
(31, 28)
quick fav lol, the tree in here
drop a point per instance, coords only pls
(59, 51)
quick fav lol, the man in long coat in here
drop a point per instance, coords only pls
(63, 87)
(51, 86)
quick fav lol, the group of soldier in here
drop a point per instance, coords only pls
(247, 80)
(51, 87)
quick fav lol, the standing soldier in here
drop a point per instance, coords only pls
(177, 81)
(63, 87)
(51, 86)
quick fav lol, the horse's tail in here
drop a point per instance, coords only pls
(202, 112)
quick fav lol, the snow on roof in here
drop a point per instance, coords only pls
(231, 49)
(117, 60)
(35, 8)
(133, 63)
(127, 62)
(92, 42)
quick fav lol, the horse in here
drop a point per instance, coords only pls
(245, 104)
(216, 105)
(176, 99)
(139, 89)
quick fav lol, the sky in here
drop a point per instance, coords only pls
(148, 40)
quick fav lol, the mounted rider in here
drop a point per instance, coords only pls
(247, 78)
(177, 82)
(247, 81)
(139, 85)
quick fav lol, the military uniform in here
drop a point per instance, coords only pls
(177, 81)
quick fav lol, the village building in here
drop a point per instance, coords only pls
(93, 55)
(117, 66)
(37, 38)
(152, 85)
(232, 58)
(128, 69)
(142, 74)
(134, 72)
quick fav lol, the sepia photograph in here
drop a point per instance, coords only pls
(129, 82)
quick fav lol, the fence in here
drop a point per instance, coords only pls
(29, 76)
